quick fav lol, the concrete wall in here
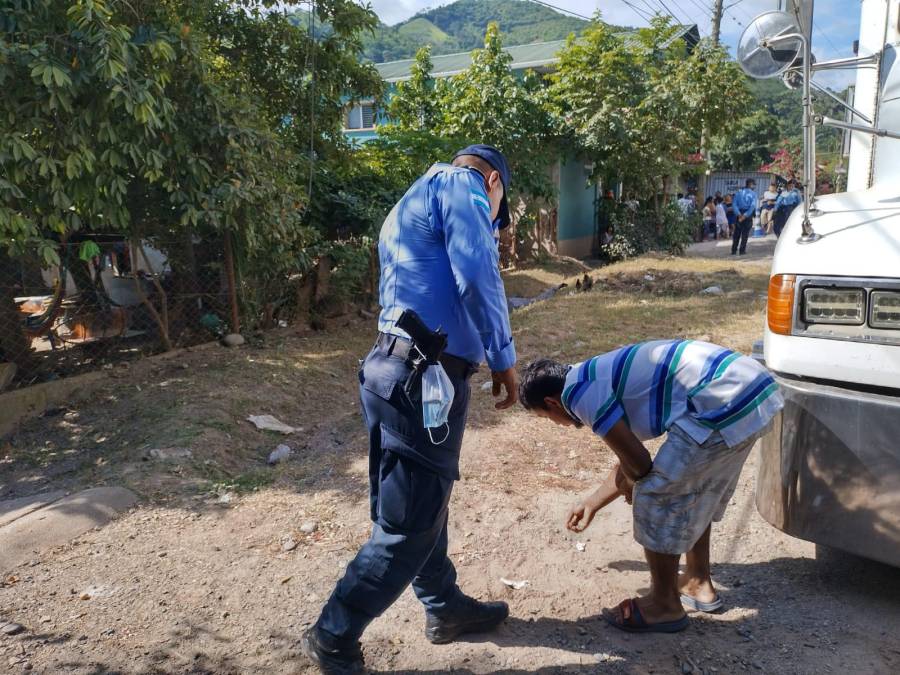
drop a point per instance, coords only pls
(576, 221)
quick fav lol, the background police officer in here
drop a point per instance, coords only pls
(745, 202)
(439, 257)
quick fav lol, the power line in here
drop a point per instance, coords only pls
(561, 9)
(637, 10)
(825, 35)
(681, 9)
(669, 11)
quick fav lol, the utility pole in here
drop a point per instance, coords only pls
(717, 21)
(704, 135)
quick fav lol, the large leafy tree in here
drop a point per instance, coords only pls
(747, 144)
(168, 119)
(413, 105)
(487, 103)
(637, 108)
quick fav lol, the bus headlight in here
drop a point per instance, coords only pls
(885, 310)
(834, 305)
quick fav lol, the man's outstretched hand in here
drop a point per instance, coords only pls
(581, 515)
(509, 380)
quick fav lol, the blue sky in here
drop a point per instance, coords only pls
(836, 21)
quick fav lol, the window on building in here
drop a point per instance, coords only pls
(360, 116)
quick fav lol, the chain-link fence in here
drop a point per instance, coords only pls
(109, 300)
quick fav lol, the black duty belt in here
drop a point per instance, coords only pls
(402, 348)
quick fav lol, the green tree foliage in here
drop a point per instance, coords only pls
(143, 118)
(637, 109)
(487, 103)
(178, 119)
(413, 105)
(747, 144)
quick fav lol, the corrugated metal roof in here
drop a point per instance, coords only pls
(534, 55)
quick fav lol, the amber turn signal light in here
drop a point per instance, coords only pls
(781, 303)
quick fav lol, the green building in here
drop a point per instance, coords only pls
(575, 213)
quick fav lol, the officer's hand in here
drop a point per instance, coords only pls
(506, 379)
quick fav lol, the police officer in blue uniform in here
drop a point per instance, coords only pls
(439, 258)
(787, 201)
(745, 202)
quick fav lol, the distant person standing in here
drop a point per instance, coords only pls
(745, 208)
(722, 229)
(785, 204)
(730, 213)
(767, 208)
(709, 218)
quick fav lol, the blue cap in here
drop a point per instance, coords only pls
(495, 158)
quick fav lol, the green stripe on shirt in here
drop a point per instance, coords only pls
(670, 377)
(738, 415)
(727, 361)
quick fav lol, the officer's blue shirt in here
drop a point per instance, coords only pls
(788, 198)
(439, 257)
(745, 202)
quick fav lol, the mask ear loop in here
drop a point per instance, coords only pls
(446, 436)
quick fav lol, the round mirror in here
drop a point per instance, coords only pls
(757, 57)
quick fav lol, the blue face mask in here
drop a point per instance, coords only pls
(437, 397)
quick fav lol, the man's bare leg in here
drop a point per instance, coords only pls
(663, 603)
(696, 580)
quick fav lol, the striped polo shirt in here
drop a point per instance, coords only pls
(699, 386)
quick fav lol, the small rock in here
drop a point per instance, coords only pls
(288, 544)
(226, 498)
(309, 527)
(279, 454)
(712, 290)
(756, 664)
(580, 546)
(27, 666)
(686, 668)
(12, 629)
(487, 385)
(46, 619)
(84, 596)
(233, 340)
(170, 454)
(162, 554)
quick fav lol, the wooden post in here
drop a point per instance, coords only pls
(232, 286)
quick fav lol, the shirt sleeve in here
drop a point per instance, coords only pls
(464, 217)
(598, 408)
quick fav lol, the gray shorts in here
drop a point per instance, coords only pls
(689, 487)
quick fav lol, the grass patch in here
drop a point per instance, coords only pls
(250, 481)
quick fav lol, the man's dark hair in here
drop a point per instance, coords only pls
(749, 182)
(680, 195)
(540, 379)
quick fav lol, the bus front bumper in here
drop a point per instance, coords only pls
(830, 469)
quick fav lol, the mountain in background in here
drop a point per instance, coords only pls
(460, 27)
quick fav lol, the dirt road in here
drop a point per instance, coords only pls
(225, 560)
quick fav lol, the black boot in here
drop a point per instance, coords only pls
(466, 616)
(346, 661)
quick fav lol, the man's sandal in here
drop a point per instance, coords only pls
(632, 621)
(693, 603)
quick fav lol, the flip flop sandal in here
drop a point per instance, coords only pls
(632, 621)
(699, 606)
